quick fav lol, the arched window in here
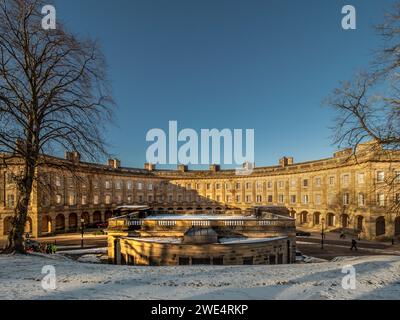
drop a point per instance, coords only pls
(380, 226)
(397, 226)
(96, 217)
(60, 222)
(304, 217)
(330, 217)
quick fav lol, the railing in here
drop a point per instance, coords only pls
(179, 225)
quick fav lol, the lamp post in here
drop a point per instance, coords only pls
(82, 229)
(322, 233)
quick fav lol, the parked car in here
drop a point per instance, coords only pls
(303, 234)
(102, 225)
(299, 256)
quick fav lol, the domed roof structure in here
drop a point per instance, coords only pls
(200, 235)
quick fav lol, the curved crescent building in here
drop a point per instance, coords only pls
(356, 193)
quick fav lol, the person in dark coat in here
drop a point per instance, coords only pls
(353, 245)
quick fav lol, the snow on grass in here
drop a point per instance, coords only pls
(378, 277)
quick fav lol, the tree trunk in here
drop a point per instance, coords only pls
(24, 189)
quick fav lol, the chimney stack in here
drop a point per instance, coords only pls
(286, 161)
(149, 166)
(182, 168)
(114, 163)
(73, 156)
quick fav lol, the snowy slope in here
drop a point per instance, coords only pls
(378, 277)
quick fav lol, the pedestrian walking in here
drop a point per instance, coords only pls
(353, 245)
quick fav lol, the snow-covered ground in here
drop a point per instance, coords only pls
(377, 277)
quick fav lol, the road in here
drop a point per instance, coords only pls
(70, 242)
(334, 247)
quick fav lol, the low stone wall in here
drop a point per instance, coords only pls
(125, 250)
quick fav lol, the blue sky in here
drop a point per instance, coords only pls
(234, 64)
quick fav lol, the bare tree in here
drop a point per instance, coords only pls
(54, 96)
(368, 107)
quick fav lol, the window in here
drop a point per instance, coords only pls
(95, 184)
(150, 198)
(380, 176)
(129, 185)
(318, 182)
(270, 198)
(129, 199)
(381, 199)
(208, 186)
(346, 179)
(180, 198)
(361, 200)
(140, 186)
(58, 181)
(228, 199)
(58, 199)
(281, 198)
(248, 199)
(84, 200)
(293, 198)
(107, 184)
(259, 198)
(219, 198)
(9, 178)
(238, 199)
(259, 185)
(96, 199)
(346, 199)
(248, 185)
(108, 199)
(305, 199)
(218, 186)
(318, 199)
(269, 184)
(72, 199)
(331, 181)
(305, 183)
(118, 185)
(170, 198)
(397, 176)
(10, 201)
(361, 178)
(238, 185)
(293, 183)
(150, 187)
(281, 184)
(140, 199)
